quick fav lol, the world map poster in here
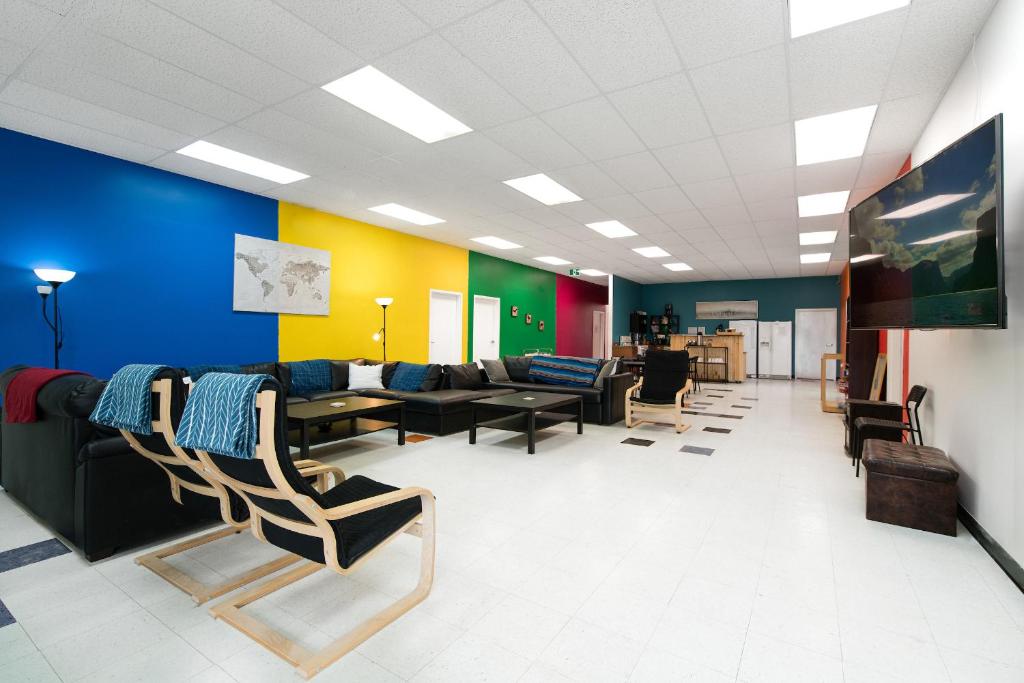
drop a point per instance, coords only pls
(277, 277)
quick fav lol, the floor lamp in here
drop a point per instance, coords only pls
(382, 333)
(56, 278)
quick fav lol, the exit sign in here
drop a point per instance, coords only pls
(574, 272)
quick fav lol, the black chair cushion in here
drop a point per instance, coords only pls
(654, 401)
(518, 368)
(464, 376)
(665, 373)
(325, 395)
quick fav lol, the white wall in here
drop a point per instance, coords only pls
(975, 405)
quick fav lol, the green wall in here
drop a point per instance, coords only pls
(531, 289)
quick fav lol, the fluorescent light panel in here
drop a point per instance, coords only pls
(552, 260)
(390, 101)
(592, 272)
(406, 214)
(652, 252)
(496, 242)
(677, 267)
(811, 16)
(815, 258)
(824, 204)
(543, 189)
(865, 257)
(236, 161)
(926, 205)
(842, 135)
(944, 236)
(612, 229)
(821, 237)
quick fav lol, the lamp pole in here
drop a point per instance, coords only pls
(384, 302)
(54, 278)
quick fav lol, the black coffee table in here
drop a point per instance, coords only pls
(319, 422)
(529, 411)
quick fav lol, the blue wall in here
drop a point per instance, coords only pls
(626, 298)
(153, 252)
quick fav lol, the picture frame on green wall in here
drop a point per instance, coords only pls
(515, 311)
(540, 325)
(529, 318)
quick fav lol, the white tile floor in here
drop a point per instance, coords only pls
(589, 561)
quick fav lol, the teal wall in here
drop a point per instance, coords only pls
(626, 298)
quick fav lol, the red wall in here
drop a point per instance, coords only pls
(575, 302)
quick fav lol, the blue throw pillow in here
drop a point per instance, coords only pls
(408, 377)
(197, 371)
(565, 370)
(310, 376)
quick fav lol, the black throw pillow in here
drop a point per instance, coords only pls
(518, 368)
(495, 370)
(464, 376)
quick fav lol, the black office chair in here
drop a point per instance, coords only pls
(891, 430)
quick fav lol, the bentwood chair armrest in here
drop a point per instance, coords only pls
(631, 392)
(687, 388)
(319, 469)
(374, 502)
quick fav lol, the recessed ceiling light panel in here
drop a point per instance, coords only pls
(811, 16)
(821, 237)
(611, 229)
(543, 189)
(652, 252)
(593, 272)
(677, 267)
(815, 258)
(824, 204)
(552, 260)
(406, 214)
(388, 100)
(496, 242)
(842, 135)
(236, 161)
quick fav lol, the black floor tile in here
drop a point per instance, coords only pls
(699, 450)
(717, 430)
(6, 618)
(739, 406)
(714, 396)
(30, 554)
(637, 442)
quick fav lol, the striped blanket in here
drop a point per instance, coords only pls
(565, 370)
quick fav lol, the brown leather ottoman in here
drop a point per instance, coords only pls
(911, 486)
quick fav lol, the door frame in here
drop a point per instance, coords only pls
(796, 337)
(430, 319)
(497, 319)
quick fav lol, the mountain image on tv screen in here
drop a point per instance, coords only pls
(925, 250)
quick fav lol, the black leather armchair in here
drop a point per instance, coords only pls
(83, 481)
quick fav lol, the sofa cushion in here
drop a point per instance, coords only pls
(197, 371)
(295, 399)
(495, 370)
(434, 378)
(310, 376)
(608, 369)
(440, 401)
(518, 368)
(365, 377)
(339, 373)
(383, 393)
(325, 395)
(491, 393)
(565, 370)
(387, 373)
(589, 394)
(408, 377)
(464, 375)
(278, 370)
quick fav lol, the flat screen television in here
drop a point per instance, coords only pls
(926, 251)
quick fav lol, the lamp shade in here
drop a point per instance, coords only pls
(54, 274)
(384, 300)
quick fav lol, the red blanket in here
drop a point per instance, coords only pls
(20, 400)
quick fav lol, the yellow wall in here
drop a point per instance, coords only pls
(368, 261)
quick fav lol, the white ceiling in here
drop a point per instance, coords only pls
(672, 116)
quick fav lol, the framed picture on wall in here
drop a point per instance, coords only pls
(529, 318)
(515, 311)
(540, 325)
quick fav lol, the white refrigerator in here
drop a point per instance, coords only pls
(775, 349)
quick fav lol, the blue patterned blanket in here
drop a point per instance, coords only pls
(220, 415)
(126, 402)
(565, 370)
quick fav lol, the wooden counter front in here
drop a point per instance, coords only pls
(733, 341)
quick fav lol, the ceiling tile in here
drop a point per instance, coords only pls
(509, 28)
(622, 207)
(482, 156)
(773, 209)
(878, 170)
(594, 128)
(663, 112)
(370, 28)
(437, 13)
(766, 185)
(618, 42)
(26, 23)
(744, 92)
(665, 200)
(761, 149)
(707, 32)
(682, 221)
(726, 215)
(738, 233)
(637, 172)
(693, 161)
(721, 192)
(536, 142)
(844, 67)
(899, 122)
(583, 212)
(12, 56)
(829, 176)
(587, 181)
(783, 226)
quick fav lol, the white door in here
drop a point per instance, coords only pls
(782, 349)
(486, 327)
(815, 335)
(749, 330)
(445, 327)
(600, 334)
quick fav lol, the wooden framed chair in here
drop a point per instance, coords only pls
(340, 529)
(191, 485)
(661, 390)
